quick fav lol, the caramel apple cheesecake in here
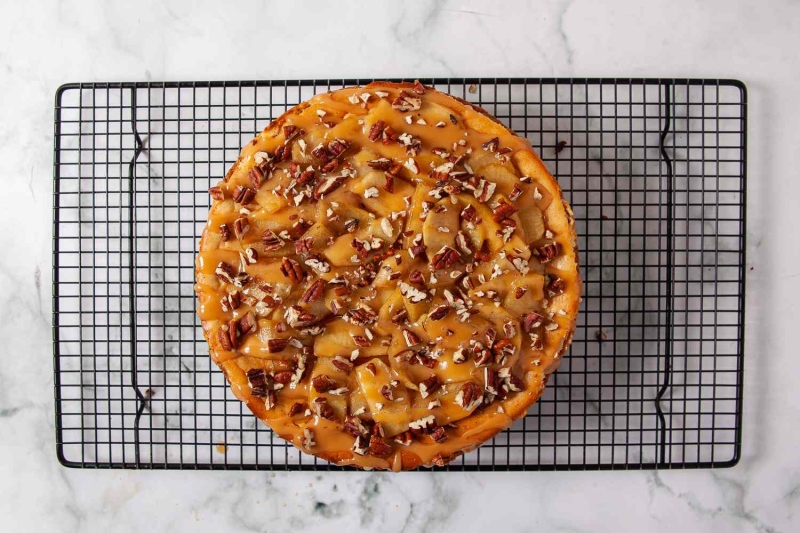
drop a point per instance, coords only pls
(388, 276)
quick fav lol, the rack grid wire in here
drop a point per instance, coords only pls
(655, 170)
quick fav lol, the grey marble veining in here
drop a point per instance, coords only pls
(44, 44)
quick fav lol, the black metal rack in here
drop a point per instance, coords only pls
(655, 170)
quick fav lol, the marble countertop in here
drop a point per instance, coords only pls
(47, 43)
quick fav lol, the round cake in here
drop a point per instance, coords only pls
(388, 276)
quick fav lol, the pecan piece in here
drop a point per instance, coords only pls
(483, 357)
(547, 252)
(271, 241)
(361, 316)
(406, 102)
(376, 130)
(323, 383)
(361, 445)
(243, 195)
(345, 365)
(354, 426)
(405, 438)
(216, 193)
(224, 272)
(438, 435)
(233, 333)
(411, 338)
(327, 186)
(399, 316)
(388, 186)
(256, 176)
(224, 338)
(514, 383)
(277, 345)
(284, 377)
(313, 292)
(292, 270)
(531, 321)
(439, 312)
(296, 408)
(418, 87)
(491, 145)
(224, 232)
(252, 255)
(323, 409)
(444, 258)
(231, 301)
(468, 395)
(555, 285)
(386, 392)
(427, 386)
(502, 211)
(380, 164)
(248, 323)
(379, 448)
(416, 278)
(241, 226)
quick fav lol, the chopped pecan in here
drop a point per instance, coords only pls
(418, 87)
(323, 383)
(491, 145)
(284, 377)
(283, 153)
(531, 321)
(323, 409)
(345, 365)
(224, 338)
(388, 185)
(327, 186)
(337, 147)
(491, 335)
(330, 166)
(439, 312)
(296, 408)
(483, 254)
(252, 255)
(277, 345)
(243, 195)
(376, 130)
(468, 395)
(428, 385)
(354, 426)
(516, 192)
(502, 211)
(248, 323)
(305, 177)
(416, 278)
(380, 164)
(410, 337)
(361, 316)
(241, 226)
(555, 285)
(514, 383)
(361, 341)
(224, 232)
(547, 252)
(444, 258)
(224, 272)
(469, 213)
(233, 333)
(256, 176)
(372, 369)
(386, 392)
(406, 102)
(399, 316)
(379, 448)
(216, 193)
(405, 438)
(504, 348)
(313, 292)
(231, 301)
(438, 435)
(483, 357)
(271, 241)
(389, 135)
(463, 243)
(292, 270)
(361, 445)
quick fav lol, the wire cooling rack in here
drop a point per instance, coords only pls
(654, 169)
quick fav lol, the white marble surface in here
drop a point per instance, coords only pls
(44, 44)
